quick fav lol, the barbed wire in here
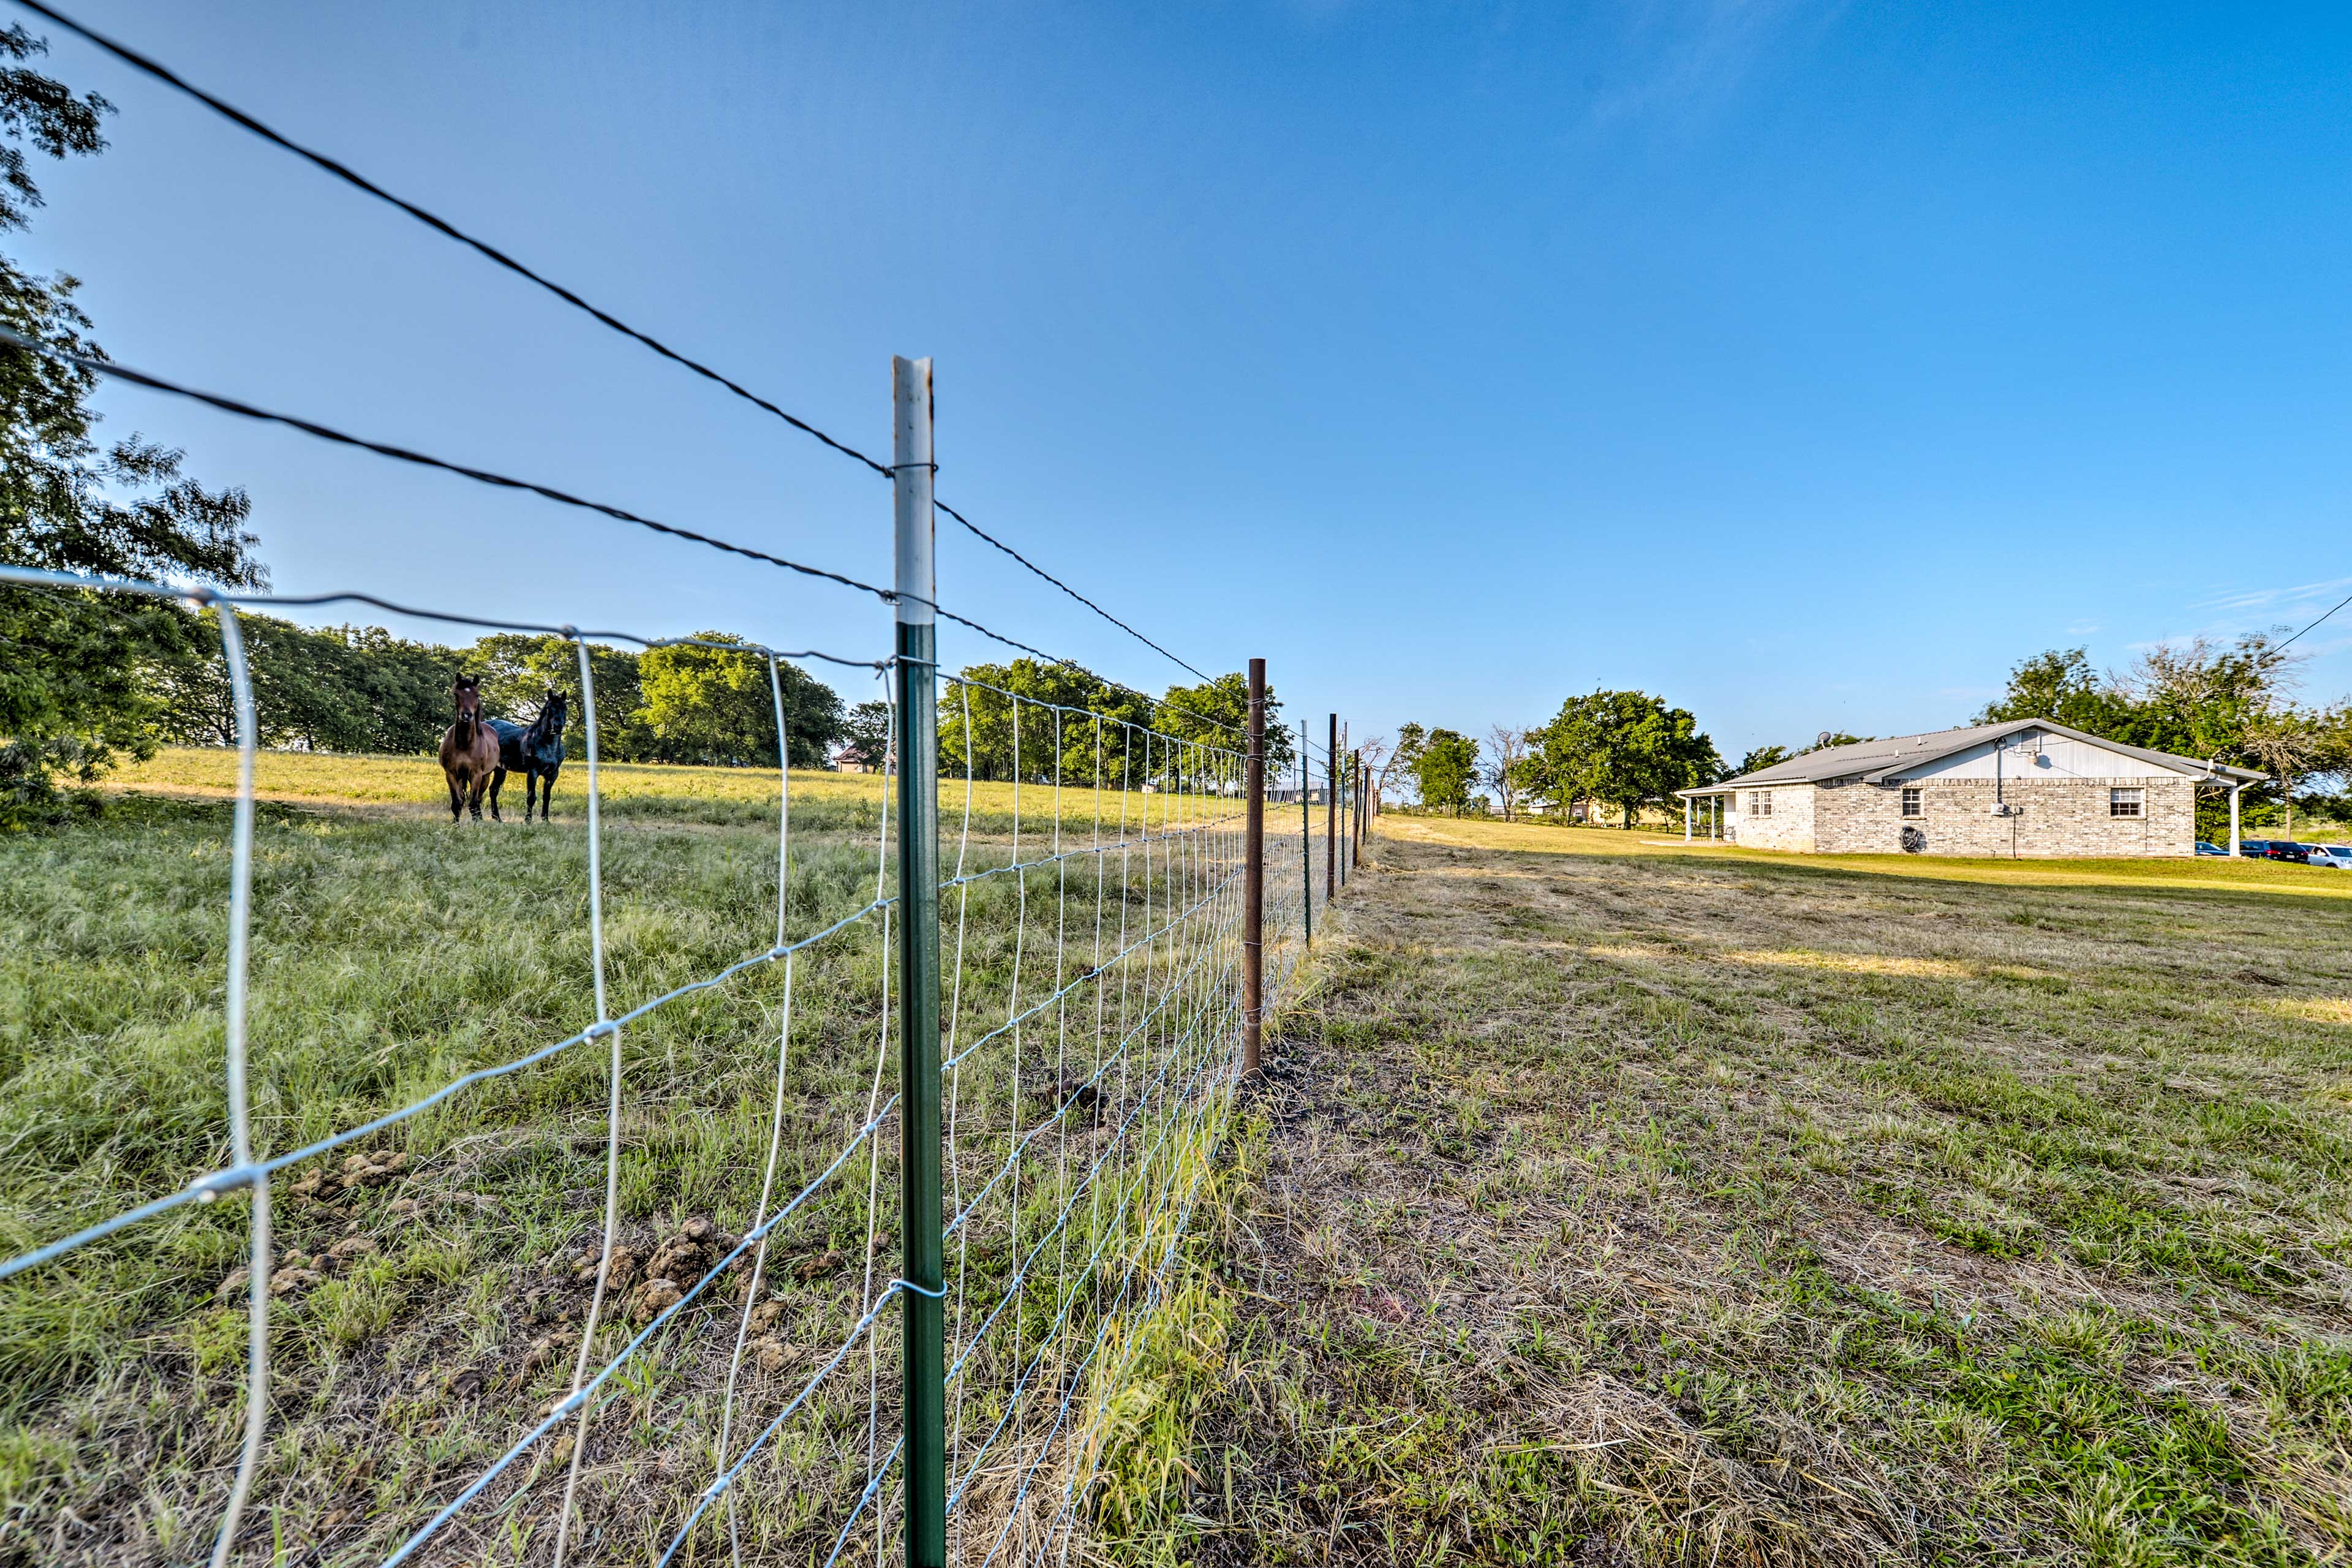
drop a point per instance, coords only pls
(1077, 1146)
(498, 257)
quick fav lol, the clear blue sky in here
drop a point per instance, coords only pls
(1806, 364)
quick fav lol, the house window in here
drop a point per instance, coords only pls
(1911, 803)
(2125, 801)
(1759, 803)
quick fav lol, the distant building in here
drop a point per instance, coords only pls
(2030, 787)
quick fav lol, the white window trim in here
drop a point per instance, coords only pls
(1914, 802)
(2135, 796)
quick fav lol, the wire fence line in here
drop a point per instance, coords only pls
(339, 170)
(727, 1383)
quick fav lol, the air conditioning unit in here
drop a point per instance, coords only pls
(2001, 808)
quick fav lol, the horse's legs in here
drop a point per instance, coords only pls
(497, 780)
(474, 795)
(529, 791)
(456, 800)
(546, 794)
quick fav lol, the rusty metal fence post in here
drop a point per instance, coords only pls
(1254, 875)
(1331, 815)
(1306, 840)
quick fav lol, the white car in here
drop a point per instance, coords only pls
(2337, 854)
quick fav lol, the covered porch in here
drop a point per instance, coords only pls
(1705, 812)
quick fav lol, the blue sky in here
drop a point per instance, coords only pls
(1806, 364)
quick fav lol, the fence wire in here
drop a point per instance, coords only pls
(694, 1354)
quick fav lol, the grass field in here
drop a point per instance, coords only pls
(1606, 1202)
(435, 1283)
(1617, 1204)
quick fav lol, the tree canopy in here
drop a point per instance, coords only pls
(717, 707)
(1625, 749)
(73, 665)
(1445, 770)
(2217, 702)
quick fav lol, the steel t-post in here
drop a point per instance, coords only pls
(1254, 875)
(922, 1223)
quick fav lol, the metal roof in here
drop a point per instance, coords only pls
(1874, 761)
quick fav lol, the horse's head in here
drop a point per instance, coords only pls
(552, 711)
(467, 692)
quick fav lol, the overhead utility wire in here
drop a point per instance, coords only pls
(480, 476)
(2339, 605)
(497, 257)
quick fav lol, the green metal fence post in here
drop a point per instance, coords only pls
(921, 1220)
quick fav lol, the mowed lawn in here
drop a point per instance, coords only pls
(1612, 1203)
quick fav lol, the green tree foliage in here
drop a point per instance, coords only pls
(2060, 685)
(717, 707)
(1091, 727)
(1626, 748)
(73, 665)
(518, 669)
(1216, 714)
(1445, 770)
(2228, 703)
(1833, 737)
(342, 688)
(1762, 757)
(1406, 761)
(865, 735)
(1037, 721)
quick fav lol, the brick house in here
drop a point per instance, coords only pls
(2026, 788)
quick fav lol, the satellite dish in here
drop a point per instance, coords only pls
(1820, 740)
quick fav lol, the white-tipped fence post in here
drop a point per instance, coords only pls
(923, 1242)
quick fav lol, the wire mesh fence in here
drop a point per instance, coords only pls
(632, 1289)
(720, 1173)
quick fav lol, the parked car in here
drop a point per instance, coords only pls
(2286, 850)
(2337, 854)
(2253, 848)
(2205, 848)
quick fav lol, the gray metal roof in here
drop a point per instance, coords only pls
(1873, 761)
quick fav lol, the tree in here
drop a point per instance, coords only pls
(2219, 703)
(1508, 770)
(713, 705)
(1217, 712)
(518, 668)
(1625, 749)
(1406, 758)
(1037, 721)
(2285, 743)
(340, 688)
(2059, 686)
(1762, 757)
(865, 737)
(1445, 769)
(73, 665)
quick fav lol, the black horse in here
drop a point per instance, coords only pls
(535, 753)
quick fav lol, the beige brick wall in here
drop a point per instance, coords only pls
(2063, 817)
(1791, 825)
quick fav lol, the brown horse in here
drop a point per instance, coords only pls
(469, 750)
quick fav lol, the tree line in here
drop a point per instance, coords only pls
(1625, 750)
(1619, 751)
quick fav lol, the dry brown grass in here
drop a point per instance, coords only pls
(1653, 1207)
